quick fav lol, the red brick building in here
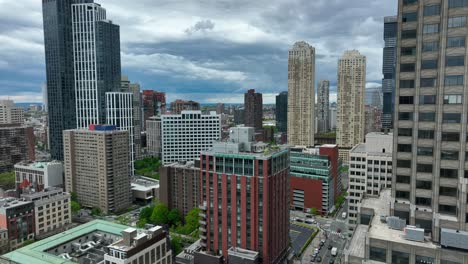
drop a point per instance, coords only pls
(180, 105)
(154, 103)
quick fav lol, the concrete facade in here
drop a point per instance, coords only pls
(323, 106)
(39, 175)
(11, 114)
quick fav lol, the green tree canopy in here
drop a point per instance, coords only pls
(160, 214)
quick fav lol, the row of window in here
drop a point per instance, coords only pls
(431, 99)
(453, 22)
(447, 118)
(428, 82)
(450, 61)
(429, 134)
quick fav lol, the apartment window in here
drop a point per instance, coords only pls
(457, 3)
(404, 163)
(402, 195)
(405, 116)
(454, 22)
(424, 202)
(427, 117)
(409, 17)
(405, 132)
(402, 179)
(425, 151)
(429, 64)
(450, 136)
(454, 80)
(448, 191)
(442, 261)
(424, 168)
(428, 82)
(427, 99)
(449, 155)
(430, 46)
(432, 10)
(451, 118)
(408, 51)
(408, 34)
(375, 253)
(449, 173)
(454, 42)
(400, 257)
(447, 209)
(404, 147)
(406, 100)
(453, 99)
(406, 83)
(455, 61)
(431, 28)
(426, 134)
(407, 67)
(425, 185)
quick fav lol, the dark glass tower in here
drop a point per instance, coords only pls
(388, 70)
(282, 112)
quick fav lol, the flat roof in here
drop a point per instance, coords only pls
(357, 246)
(35, 252)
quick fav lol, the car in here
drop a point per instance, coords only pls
(316, 250)
(299, 220)
(330, 247)
(322, 243)
(331, 261)
(319, 259)
(308, 221)
(308, 216)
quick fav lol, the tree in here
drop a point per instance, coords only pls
(146, 212)
(7, 180)
(73, 196)
(75, 207)
(314, 211)
(176, 244)
(96, 211)
(173, 217)
(141, 223)
(159, 215)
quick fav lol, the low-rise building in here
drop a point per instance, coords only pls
(144, 189)
(39, 175)
(17, 217)
(4, 245)
(52, 211)
(10, 114)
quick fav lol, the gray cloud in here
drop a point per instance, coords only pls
(200, 26)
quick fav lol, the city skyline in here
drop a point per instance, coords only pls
(216, 46)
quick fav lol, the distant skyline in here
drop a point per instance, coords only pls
(207, 51)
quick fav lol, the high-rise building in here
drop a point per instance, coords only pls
(373, 119)
(179, 186)
(127, 87)
(96, 56)
(282, 112)
(373, 97)
(350, 123)
(154, 104)
(182, 137)
(219, 108)
(245, 197)
(388, 70)
(96, 167)
(119, 109)
(333, 117)
(16, 144)
(45, 106)
(239, 115)
(323, 106)
(10, 114)
(153, 136)
(301, 95)
(180, 105)
(253, 105)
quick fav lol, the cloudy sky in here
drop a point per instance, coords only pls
(206, 50)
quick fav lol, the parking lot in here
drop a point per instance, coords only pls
(299, 236)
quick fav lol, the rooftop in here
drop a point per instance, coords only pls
(357, 246)
(9, 202)
(38, 165)
(140, 183)
(243, 253)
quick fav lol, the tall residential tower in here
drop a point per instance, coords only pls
(282, 112)
(253, 103)
(388, 70)
(323, 106)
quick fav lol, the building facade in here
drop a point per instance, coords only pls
(18, 218)
(180, 105)
(388, 70)
(96, 57)
(245, 197)
(17, 144)
(373, 119)
(350, 118)
(314, 178)
(301, 95)
(153, 136)
(370, 171)
(323, 106)
(96, 167)
(180, 186)
(282, 112)
(253, 104)
(10, 114)
(127, 87)
(154, 104)
(38, 175)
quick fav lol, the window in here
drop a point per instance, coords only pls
(453, 99)
(430, 46)
(405, 132)
(457, 3)
(429, 64)
(406, 100)
(431, 28)
(427, 117)
(408, 51)
(403, 179)
(449, 155)
(454, 22)
(424, 202)
(427, 99)
(405, 116)
(432, 10)
(453, 42)
(425, 151)
(408, 34)
(426, 185)
(406, 83)
(428, 82)
(402, 195)
(407, 67)
(442, 261)
(426, 134)
(404, 163)
(454, 80)
(451, 118)
(450, 136)
(455, 61)
(449, 173)
(375, 253)
(404, 147)
(409, 17)
(424, 168)
(447, 209)
(400, 257)
(448, 191)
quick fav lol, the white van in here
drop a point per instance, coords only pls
(343, 215)
(334, 251)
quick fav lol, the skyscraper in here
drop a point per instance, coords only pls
(58, 43)
(323, 106)
(301, 95)
(154, 104)
(127, 87)
(388, 70)
(350, 116)
(253, 104)
(96, 56)
(282, 112)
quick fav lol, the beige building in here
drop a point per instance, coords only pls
(10, 114)
(350, 124)
(301, 95)
(96, 167)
